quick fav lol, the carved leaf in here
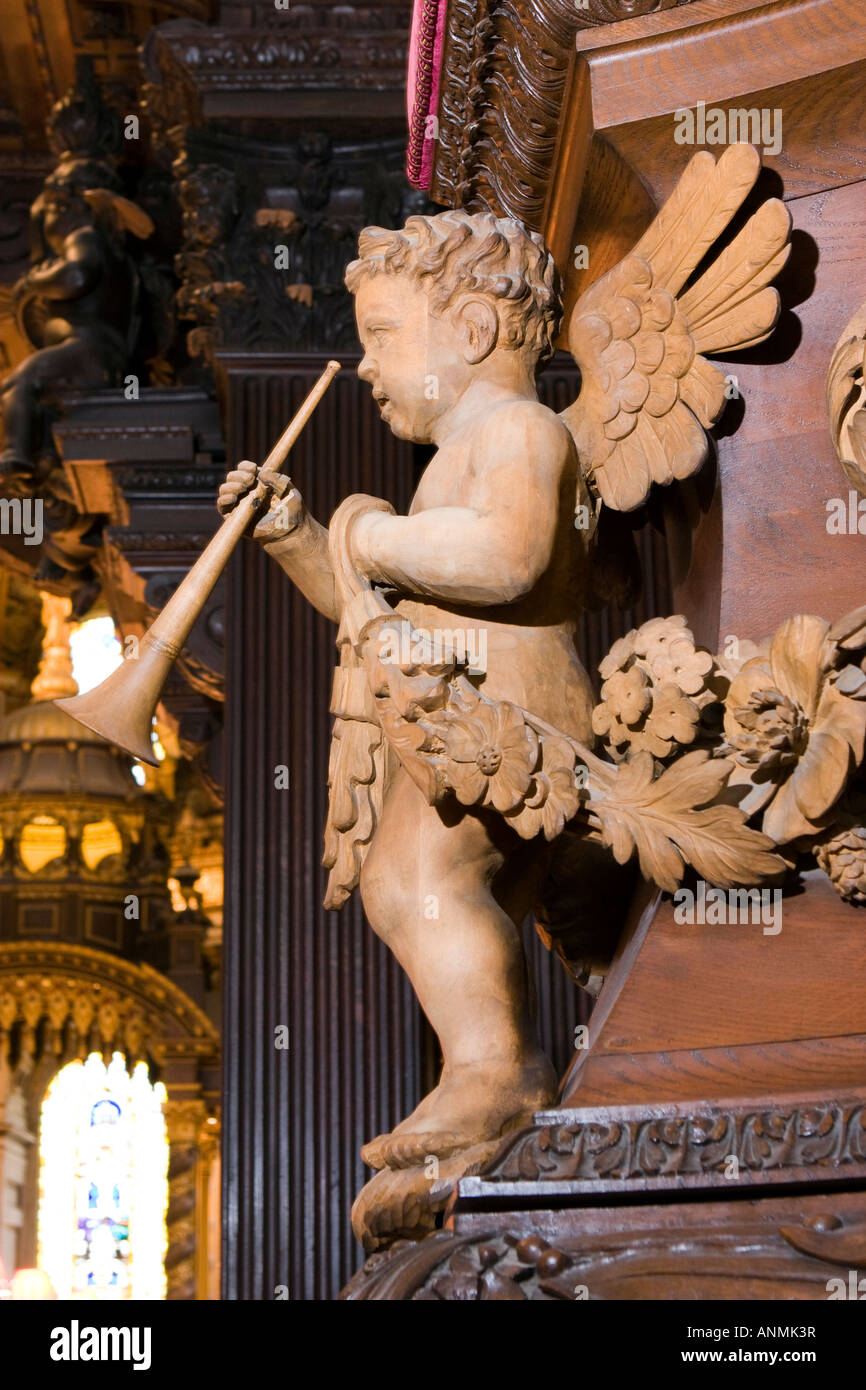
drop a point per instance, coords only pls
(355, 782)
(668, 822)
(850, 630)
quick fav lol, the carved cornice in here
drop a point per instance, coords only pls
(496, 1247)
(502, 87)
(327, 56)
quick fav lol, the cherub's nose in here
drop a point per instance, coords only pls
(366, 369)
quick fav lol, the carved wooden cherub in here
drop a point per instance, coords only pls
(450, 787)
(77, 303)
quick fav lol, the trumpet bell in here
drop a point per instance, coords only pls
(121, 709)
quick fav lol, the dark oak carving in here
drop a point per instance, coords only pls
(503, 82)
(663, 1149)
(786, 1248)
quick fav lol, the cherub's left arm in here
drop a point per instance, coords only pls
(495, 549)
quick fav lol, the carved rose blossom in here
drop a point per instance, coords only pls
(492, 753)
(843, 859)
(792, 730)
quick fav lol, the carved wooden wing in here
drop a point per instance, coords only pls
(648, 394)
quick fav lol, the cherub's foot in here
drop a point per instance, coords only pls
(470, 1106)
(411, 1150)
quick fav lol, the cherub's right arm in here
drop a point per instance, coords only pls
(291, 535)
(303, 554)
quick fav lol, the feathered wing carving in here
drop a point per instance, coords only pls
(648, 394)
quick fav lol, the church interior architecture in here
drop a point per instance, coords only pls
(200, 1035)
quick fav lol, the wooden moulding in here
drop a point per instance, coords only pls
(616, 158)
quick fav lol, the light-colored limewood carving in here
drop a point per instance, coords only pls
(648, 393)
(452, 776)
(472, 766)
(846, 400)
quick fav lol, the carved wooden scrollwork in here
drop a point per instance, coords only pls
(846, 400)
(517, 1262)
(504, 79)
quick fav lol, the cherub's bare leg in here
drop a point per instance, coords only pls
(433, 891)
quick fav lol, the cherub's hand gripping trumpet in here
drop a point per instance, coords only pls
(121, 709)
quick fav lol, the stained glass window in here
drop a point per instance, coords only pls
(103, 1182)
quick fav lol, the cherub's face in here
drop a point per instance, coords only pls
(62, 212)
(412, 357)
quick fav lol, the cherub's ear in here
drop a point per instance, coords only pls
(477, 323)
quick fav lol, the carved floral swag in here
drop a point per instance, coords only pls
(731, 764)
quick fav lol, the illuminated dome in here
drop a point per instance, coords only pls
(43, 750)
(76, 829)
(43, 720)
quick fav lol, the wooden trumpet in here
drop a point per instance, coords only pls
(121, 709)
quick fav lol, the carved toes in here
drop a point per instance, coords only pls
(412, 1150)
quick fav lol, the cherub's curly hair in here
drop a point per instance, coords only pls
(461, 253)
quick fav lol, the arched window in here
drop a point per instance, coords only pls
(103, 1186)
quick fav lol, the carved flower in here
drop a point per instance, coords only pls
(492, 753)
(843, 859)
(792, 730)
(774, 731)
(655, 686)
(668, 647)
(627, 695)
(674, 719)
(553, 797)
(665, 649)
(619, 656)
